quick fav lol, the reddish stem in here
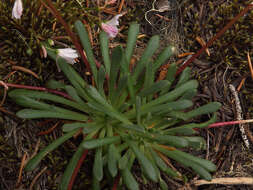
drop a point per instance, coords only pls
(214, 125)
(39, 88)
(116, 182)
(71, 182)
(210, 42)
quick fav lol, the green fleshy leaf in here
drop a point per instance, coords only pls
(170, 96)
(84, 37)
(112, 160)
(30, 95)
(178, 142)
(187, 129)
(105, 51)
(184, 77)
(152, 46)
(129, 180)
(34, 114)
(156, 87)
(33, 163)
(98, 165)
(147, 166)
(95, 143)
(117, 58)
(122, 162)
(163, 56)
(131, 40)
(70, 168)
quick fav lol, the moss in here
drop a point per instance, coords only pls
(231, 48)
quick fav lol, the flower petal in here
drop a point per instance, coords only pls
(114, 21)
(112, 31)
(17, 9)
(68, 54)
(44, 51)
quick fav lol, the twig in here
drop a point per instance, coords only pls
(210, 42)
(239, 114)
(36, 177)
(226, 181)
(250, 65)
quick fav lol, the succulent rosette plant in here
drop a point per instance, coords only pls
(126, 115)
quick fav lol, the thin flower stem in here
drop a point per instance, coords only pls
(79, 164)
(210, 42)
(73, 37)
(38, 88)
(116, 182)
(220, 124)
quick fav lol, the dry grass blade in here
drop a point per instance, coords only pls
(167, 147)
(185, 54)
(36, 149)
(23, 162)
(166, 160)
(49, 130)
(19, 68)
(163, 72)
(121, 5)
(203, 43)
(5, 92)
(163, 17)
(226, 181)
(7, 112)
(36, 177)
(241, 84)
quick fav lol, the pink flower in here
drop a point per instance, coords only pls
(17, 9)
(110, 27)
